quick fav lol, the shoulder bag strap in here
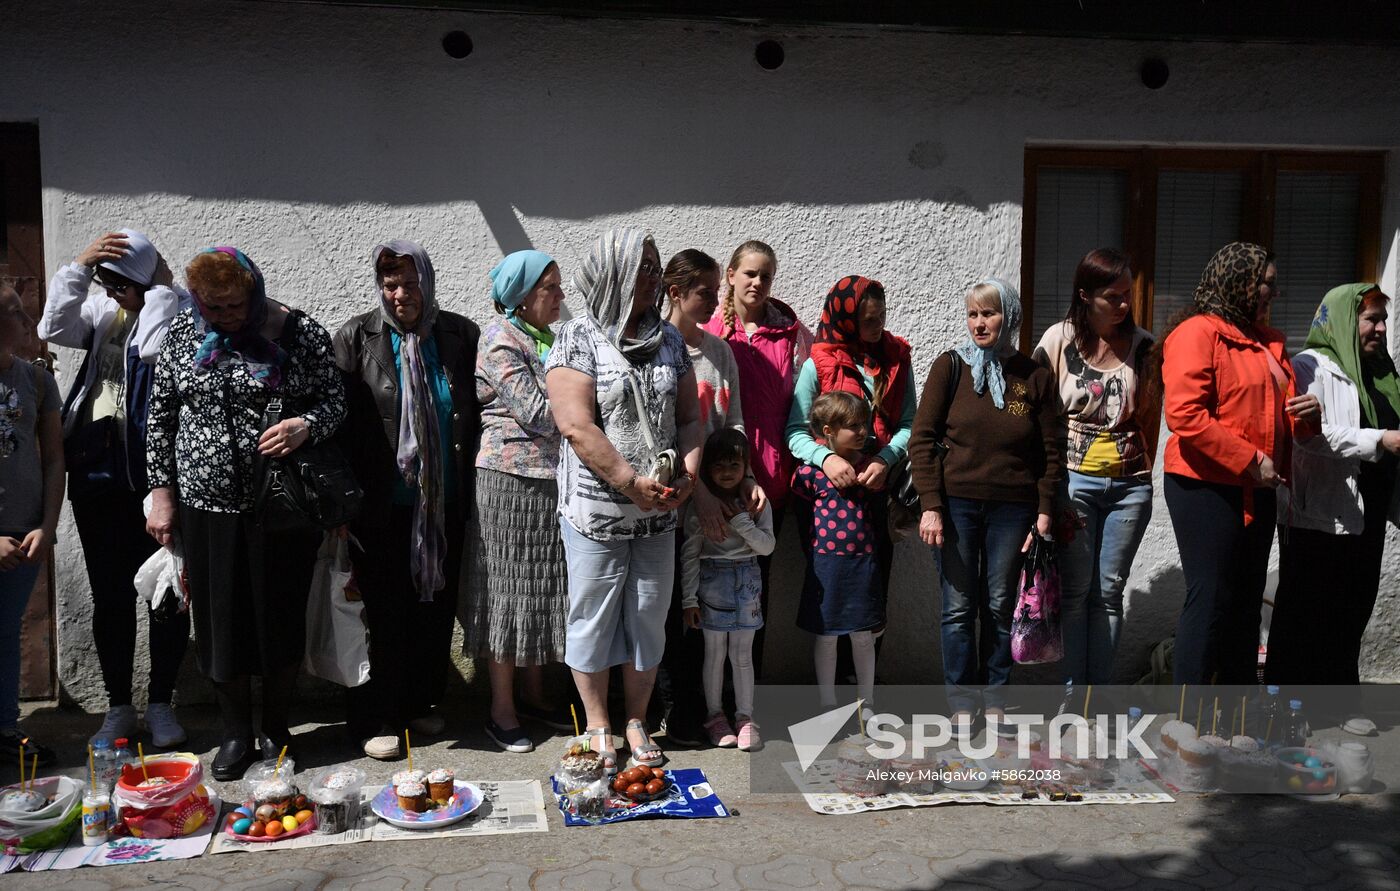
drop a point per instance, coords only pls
(954, 377)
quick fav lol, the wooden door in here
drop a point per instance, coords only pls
(22, 262)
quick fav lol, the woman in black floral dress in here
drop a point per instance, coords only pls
(221, 363)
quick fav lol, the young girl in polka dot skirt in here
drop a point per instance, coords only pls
(842, 593)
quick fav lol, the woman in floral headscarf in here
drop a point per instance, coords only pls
(408, 369)
(994, 413)
(220, 364)
(1343, 490)
(1229, 395)
(853, 353)
(623, 393)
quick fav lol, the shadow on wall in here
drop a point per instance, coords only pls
(537, 120)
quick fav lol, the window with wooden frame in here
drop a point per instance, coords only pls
(1171, 209)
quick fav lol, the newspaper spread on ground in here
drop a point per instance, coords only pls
(507, 807)
(115, 852)
(818, 787)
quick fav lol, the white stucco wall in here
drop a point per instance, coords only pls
(306, 133)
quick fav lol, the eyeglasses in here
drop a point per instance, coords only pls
(649, 269)
(114, 287)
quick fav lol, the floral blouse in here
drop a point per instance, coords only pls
(518, 434)
(202, 429)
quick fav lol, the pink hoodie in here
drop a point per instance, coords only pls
(768, 361)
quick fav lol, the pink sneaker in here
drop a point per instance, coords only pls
(721, 734)
(749, 740)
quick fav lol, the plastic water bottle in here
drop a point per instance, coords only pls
(1295, 727)
(1269, 715)
(122, 755)
(104, 763)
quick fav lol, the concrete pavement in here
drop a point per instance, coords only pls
(776, 842)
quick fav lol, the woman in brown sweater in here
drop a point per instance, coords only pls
(989, 493)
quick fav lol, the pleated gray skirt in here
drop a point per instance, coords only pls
(515, 599)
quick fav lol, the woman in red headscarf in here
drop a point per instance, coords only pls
(854, 353)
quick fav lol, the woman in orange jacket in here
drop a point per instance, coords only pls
(1232, 411)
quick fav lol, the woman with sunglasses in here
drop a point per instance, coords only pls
(119, 325)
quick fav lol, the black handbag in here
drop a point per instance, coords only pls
(900, 481)
(311, 490)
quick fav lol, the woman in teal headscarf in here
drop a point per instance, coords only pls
(1343, 490)
(515, 599)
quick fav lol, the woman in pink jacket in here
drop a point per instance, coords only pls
(769, 346)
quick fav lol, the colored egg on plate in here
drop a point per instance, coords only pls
(244, 812)
(289, 824)
(242, 826)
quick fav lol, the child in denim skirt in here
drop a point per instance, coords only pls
(721, 587)
(842, 593)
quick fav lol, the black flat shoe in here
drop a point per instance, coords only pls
(234, 757)
(270, 746)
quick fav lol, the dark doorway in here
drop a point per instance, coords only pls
(22, 262)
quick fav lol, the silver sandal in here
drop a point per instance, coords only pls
(647, 754)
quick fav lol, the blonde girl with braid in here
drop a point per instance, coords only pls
(769, 346)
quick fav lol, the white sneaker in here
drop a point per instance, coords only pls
(382, 748)
(165, 730)
(120, 722)
(1360, 725)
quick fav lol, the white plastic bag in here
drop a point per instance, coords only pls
(337, 640)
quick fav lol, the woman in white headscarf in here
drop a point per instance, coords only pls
(623, 394)
(986, 459)
(411, 387)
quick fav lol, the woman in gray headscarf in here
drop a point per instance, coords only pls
(992, 490)
(624, 397)
(410, 381)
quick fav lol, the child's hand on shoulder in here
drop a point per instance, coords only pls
(755, 499)
(691, 616)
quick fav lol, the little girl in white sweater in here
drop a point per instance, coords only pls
(721, 587)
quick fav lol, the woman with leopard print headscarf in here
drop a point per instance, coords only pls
(1232, 409)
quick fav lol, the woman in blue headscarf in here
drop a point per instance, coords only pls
(516, 599)
(408, 369)
(996, 413)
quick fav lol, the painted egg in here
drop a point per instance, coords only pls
(273, 829)
(258, 829)
(1313, 761)
(1320, 775)
(242, 826)
(302, 817)
(1295, 782)
(244, 812)
(289, 824)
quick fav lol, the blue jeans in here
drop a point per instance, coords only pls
(979, 563)
(1094, 567)
(15, 587)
